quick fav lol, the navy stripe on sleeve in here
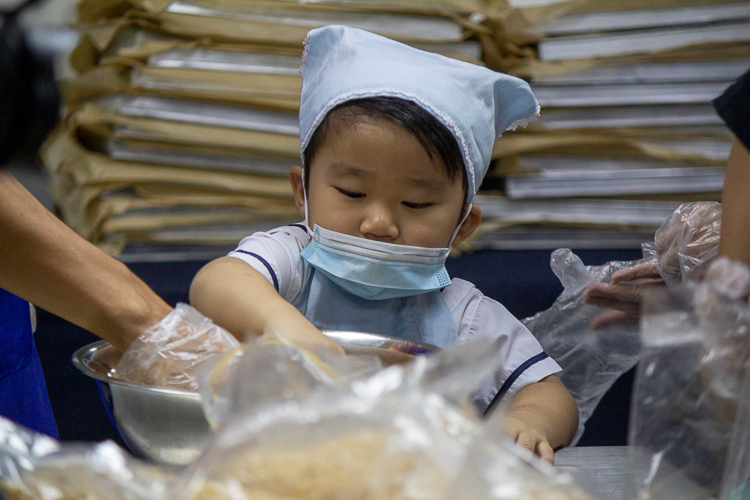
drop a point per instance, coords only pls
(512, 378)
(265, 263)
(301, 226)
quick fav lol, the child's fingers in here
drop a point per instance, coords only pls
(525, 440)
(545, 451)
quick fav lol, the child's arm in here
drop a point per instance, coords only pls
(543, 417)
(238, 298)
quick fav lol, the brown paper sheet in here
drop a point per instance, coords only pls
(592, 143)
(533, 68)
(62, 154)
(94, 119)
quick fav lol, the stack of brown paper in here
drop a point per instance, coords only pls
(181, 119)
(625, 88)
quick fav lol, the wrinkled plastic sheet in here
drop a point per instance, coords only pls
(400, 433)
(591, 360)
(688, 384)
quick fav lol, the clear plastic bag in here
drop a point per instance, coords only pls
(397, 434)
(35, 467)
(687, 388)
(688, 241)
(496, 469)
(736, 477)
(270, 369)
(591, 360)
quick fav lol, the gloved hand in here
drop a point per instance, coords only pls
(688, 241)
(622, 296)
(685, 245)
(172, 352)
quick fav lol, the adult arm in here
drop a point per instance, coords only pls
(45, 262)
(735, 218)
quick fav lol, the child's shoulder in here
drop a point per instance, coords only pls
(472, 310)
(291, 235)
(461, 293)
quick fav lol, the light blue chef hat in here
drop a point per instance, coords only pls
(476, 104)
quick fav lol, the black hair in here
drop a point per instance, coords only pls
(434, 137)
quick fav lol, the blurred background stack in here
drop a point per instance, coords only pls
(181, 117)
(627, 129)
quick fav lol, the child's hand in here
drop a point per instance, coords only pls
(302, 333)
(527, 435)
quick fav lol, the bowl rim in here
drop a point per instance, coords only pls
(83, 357)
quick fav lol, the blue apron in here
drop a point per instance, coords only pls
(23, 392)
(421, 318)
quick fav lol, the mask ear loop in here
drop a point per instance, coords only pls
(304, 193)
(458, 228)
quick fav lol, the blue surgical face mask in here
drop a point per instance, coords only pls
(376, 270)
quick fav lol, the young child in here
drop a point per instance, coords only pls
(394, 142)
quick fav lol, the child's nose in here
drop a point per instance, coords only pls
(378, 224)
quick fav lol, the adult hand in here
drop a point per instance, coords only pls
(622, 296)
(172, 352)
(686, 243)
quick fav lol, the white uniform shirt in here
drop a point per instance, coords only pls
(276, 255)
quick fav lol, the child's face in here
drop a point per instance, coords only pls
(373, 179)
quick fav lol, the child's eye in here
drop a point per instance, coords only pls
(350, 194)
(415, 205)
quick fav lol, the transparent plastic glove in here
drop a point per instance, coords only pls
(688, 241)
(623, 294)
(591, 360)
(175, 351)
(684, 245)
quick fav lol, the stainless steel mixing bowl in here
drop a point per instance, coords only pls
(168, 425)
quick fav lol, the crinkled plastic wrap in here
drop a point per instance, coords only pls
(688, 241)
(396, 434)
(35, 467)
(495, 469)
(176, 351)
(270, 369)
(591, 360)
(736, 477)
(726, 293)
(400, 433)
(687, 387)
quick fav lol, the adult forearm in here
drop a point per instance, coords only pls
(735, 217)
(48, 264)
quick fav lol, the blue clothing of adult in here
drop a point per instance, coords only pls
(23, 392)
